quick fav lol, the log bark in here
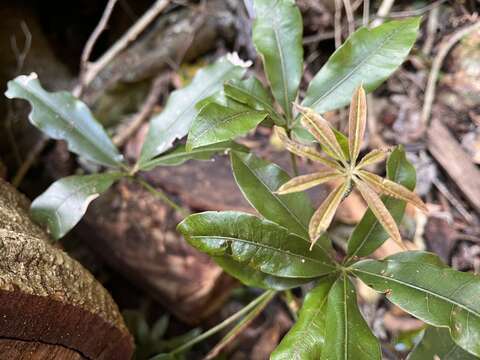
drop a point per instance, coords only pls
(47, 297)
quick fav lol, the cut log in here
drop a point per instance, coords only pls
(47, 297)
(26, 350)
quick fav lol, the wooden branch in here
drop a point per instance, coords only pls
(458, 164)
(94, 68)
(47, 297)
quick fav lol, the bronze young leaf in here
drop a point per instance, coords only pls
(346, 168)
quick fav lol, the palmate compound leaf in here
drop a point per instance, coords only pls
(306, 338)
(369, 234)
(367, 57)
(180, 110)
(63, 117)
(430, 291)
(438, 344)
(277, 36)
(256, 243)
(259, 180)
(347, 335)
(64, 203)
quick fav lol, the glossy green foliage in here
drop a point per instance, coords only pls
(179, 155)
(256, 243)
(438, 344)
(255, 278)
(258, 180)
(63, 117)
(368, 57)
(348, 336)
(306, 338)
(369, 234)
(252, 93)
(277, 35)
(64, 203)
(216, 123)
(175, 119)
(434, 293)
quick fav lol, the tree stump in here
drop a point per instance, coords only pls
(50, 306)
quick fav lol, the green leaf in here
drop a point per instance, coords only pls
(175, 119)
(216, 123)
(252, 93)
(254, 278)
(258, 180)
(343, 141)
(368, 57)
(180, 155)
(438, 344)
(369, 234)
(306, 338)
(63, 117)
(64, 203)
(277, 36)
(259, 244)
(438, 295)
(347, 334)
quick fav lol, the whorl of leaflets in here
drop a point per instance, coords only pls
(344, 167)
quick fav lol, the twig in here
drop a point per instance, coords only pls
(350, 18)
(266, 295)
(417, 12)
(432, 26)
(445, 48)
(162, 196)
(102, 25)
(232, 334)
(366, 12)
(94, 68)
(453, 200)
(338, 23)
(382, 12)
(20, 56)
(158, 85)
(32, 155)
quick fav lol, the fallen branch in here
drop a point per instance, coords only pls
(445, 48)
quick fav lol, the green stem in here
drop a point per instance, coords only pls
(162, 196)
(252, 305)
(293, 158)
(290, 302)
(237, 329)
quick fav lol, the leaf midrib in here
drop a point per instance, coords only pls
(226, 119)
(419, 288)
(265, 246)
(294, 216)
(360, 64)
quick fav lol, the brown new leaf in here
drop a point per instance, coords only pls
(303, 150)
(373, 157)
(380, 211)
(356, 122)
(390, 188)
(305, 182)
(321, 130)
(323, 216)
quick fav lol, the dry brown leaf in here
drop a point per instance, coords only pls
(303, 150)
(390, 188)
(356, 122)
(373, 157)
(323, 216)
(380, 211)
(322, 131)
(308, 181)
